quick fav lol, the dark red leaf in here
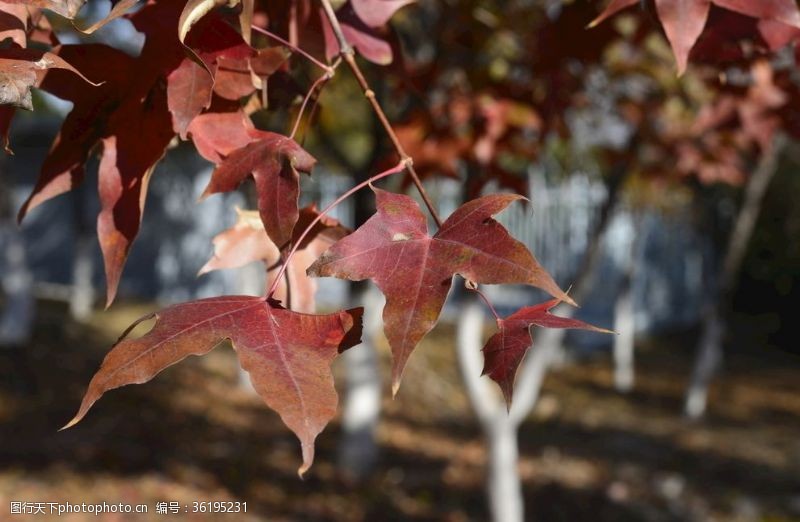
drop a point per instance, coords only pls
(287, 354)
(128, 115)
(273, 161)
(504, 351)
(218, 134)
(188, 93)
(414, 271)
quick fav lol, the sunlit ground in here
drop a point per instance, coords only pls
(589, 453)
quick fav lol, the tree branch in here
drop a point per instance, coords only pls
(346, 52)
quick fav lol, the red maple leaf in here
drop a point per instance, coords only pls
(128, 115)
(287, 354)
(274, 162)
(684, 20)
(415, 271)
(504, 350)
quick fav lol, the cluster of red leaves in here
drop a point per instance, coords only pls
(199, 76)
(685, 20)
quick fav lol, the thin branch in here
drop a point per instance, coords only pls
(394, 170)
(298, 50)
(346, 52)
(318, 84)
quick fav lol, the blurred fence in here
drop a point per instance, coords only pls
(671, 258)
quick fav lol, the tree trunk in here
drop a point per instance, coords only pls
(82, 296)
(358, 450)
(505, 489)
(16, 284)
(710, 351)
(624, 313)
(548, 343)
(503, 485)
(500, 426)
(625, 326)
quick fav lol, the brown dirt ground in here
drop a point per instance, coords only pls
(588, 453)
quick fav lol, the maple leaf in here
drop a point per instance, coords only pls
(238, 77)
(504, 350)
(128, 115)
(415, 271)
(21, 68)
(133, 125)
(216, 135)
(247, 241)
(684, 20)
(188, 93)
(287, 354)
(222, 62)
(273, 161)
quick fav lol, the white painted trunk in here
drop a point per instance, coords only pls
(625, 314)
(503, 485)
(16, 321)
(625, 327)
(361, 408)
(709, 359)
(82, 298)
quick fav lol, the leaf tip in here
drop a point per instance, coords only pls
(75, 420)
(301, 471)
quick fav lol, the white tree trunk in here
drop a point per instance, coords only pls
(709, 351)
(625, 327)
(625, 313)
(505, 488)
(503, 484)
(709, 358)
(17, 286)
(358, 450)
(499, 425)
(82, 298)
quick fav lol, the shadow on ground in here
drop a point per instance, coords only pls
(589, 453)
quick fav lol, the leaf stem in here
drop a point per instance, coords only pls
(346, 52)
(286, 43)
(318, 84)
(471, 285)
(394, 170)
